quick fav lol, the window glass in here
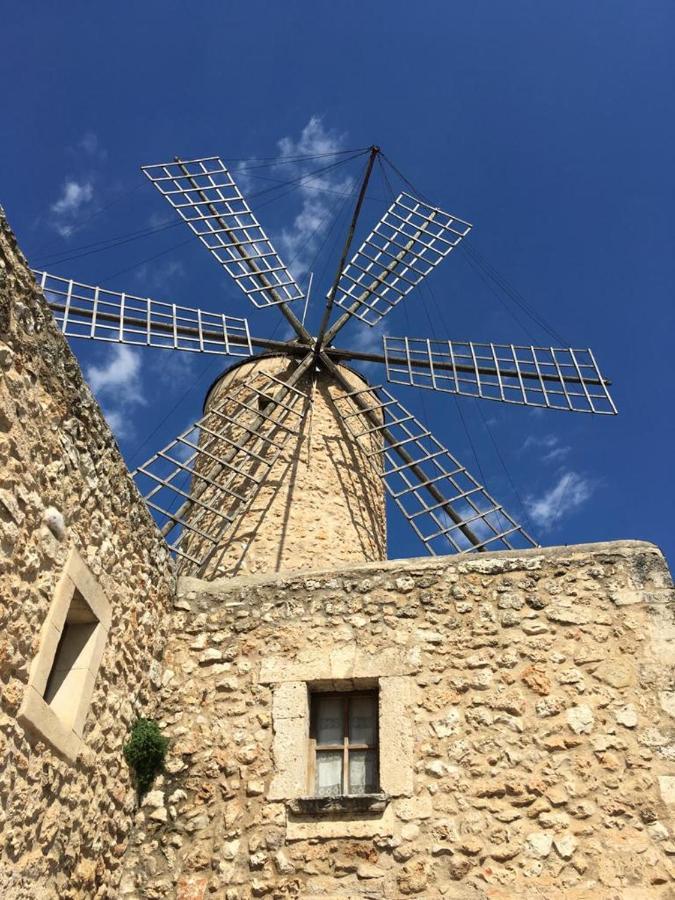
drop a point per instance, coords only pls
(363, 720)
(344, 739)
(328, 773)
(362, 772)
(329, 723)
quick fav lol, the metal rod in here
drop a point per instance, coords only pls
(182, 330)
(389, 268)
(257, 422)
(344, 354)
(404, 455)
(309, 291)
(293, 320)
(345, 250)
(292, 348)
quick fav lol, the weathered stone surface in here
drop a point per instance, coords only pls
(615, 672)
(64, 485)
(539, 844)
(565, 845)
(536, 737)
(525, 791)
(580, 718)
(340, 518)
(627, 716)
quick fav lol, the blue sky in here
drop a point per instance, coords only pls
(548, 126)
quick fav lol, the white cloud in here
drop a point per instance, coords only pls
(120, 374)
(77, 199)
(367, 338)
(118, 386)
(160, 277)
(300, 241)
(174, 367)
(566, 496)
(76, 196)
(550, 445)
(90, 144)
(118, 422)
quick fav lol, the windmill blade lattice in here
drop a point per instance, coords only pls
(87, 311)
(206, 196)
(445, 505)
(410, 240)
(549, 377)
(203, 481)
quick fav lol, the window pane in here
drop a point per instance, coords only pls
(329, 720)
(362, 771)
(363, 720)
(328, 773)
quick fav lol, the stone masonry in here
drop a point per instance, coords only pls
(66, 496)
(526, 700)
(526, 723)
(323, 498)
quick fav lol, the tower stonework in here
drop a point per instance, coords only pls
(321, 502)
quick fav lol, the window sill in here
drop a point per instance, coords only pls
(348, 805)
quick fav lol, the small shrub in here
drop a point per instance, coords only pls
(144, 752)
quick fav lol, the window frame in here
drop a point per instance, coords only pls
(346, 746)
(62, 724)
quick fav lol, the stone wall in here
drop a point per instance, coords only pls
(527, 700)
(323, 498)
(65, 494)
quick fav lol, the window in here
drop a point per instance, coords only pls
(70, 669)
(62, 676)
(344, 744)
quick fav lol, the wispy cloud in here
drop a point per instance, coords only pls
(160, 277)
(300, 241)
(174, 368)
(90, 144)
(569, 493)
(367, 338)
(118, 386)
(549, 447)
(76, 197)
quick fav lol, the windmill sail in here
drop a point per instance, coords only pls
(86, 311)
(206, 196)
(200, 484)
(447, 508)
(408, 242)
(550, 377)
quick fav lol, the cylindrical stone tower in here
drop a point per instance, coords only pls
(320, 505)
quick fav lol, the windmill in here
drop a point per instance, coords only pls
(201, 484)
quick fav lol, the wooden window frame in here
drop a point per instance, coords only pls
(346, 746)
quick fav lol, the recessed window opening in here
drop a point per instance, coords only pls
(344, 743)
(70, 670)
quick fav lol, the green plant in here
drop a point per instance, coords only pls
(144, 752)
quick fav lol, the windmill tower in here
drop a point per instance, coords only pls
(288, 466)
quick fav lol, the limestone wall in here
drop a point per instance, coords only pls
(322, 502)
(526, 725)
(64, 485)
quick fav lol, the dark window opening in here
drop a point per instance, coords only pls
(344, 744)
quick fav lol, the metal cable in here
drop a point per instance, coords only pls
(119, 240)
